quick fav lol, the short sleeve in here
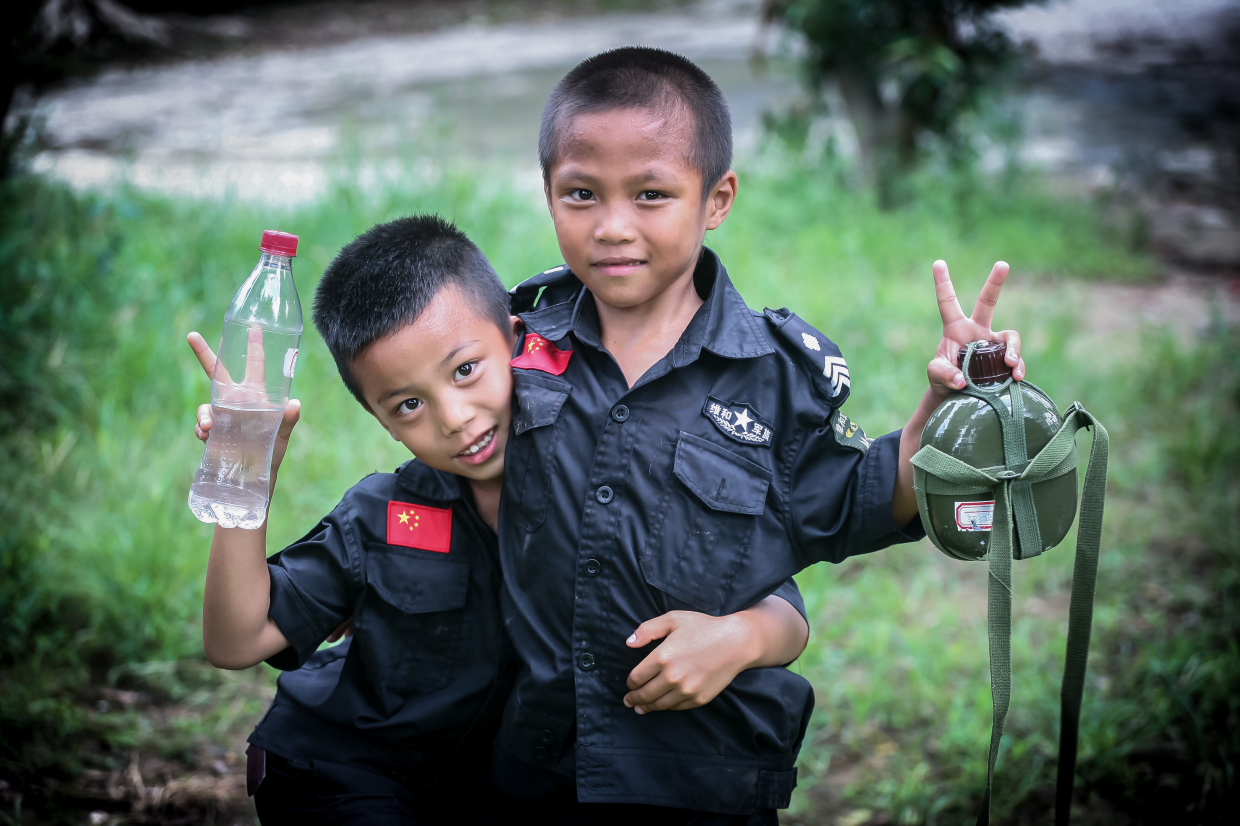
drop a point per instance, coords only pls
(313, 587)
(791, 594)
(840, 497)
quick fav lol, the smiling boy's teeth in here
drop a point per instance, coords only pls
(486, 440)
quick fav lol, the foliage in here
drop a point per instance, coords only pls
(905, 68)
(103, 563)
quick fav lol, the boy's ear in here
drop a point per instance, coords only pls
(720, 200)
(547, 192)
(517, 327)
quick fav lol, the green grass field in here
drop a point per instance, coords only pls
(101, 562)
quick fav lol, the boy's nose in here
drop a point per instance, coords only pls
(614, 227)
(456, 417)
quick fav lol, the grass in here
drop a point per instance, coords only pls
(101, 564)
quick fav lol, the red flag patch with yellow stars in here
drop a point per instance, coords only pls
(417, 526)
(540, 354)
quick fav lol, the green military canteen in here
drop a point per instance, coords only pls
(996, 480)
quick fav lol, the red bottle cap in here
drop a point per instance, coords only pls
(987, 365)
(279, 243)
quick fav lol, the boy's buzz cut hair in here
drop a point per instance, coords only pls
(643, 77)
(386, 277)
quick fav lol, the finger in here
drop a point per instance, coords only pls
(254, 356)
(1018, 372)
(345, 629)
(642, 698)
(202, 425)
(645, 671)
(1012, 339)
(292, 415)
(941, 371)
(945, 293)
(651, 630)
(984, 310)
(675, 696)
(202, 350)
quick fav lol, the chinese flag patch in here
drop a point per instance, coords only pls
(417, 526)
(540, 354)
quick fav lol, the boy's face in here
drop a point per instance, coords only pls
(443, 388)
(627, 203)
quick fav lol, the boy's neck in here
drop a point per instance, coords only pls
(637, 337)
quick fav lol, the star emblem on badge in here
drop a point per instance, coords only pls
(742, 420)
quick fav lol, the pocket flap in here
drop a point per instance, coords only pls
(417, 582)
(720, 478)
(539, 399)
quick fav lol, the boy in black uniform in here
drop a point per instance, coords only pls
(671, 449)
(395, 724)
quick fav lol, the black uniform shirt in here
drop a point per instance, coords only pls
(428, 669)
(723, 471)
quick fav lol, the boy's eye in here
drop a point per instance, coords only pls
(650, 195)
(465, 370)
(409, 405)
(581, 194)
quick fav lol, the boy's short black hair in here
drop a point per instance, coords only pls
(642, 77)
(387, 276)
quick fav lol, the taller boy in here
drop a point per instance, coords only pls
(671, 449)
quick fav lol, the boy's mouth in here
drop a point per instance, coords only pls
(618, 266)
(479, 451)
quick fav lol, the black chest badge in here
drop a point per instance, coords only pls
(738, 421)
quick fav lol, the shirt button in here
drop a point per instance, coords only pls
(586, 662)
(593, 567)
(541, 753)
(546, 736)
(604, 494)
(620, 413)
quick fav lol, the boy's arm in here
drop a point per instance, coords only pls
(945, 378)
(236, 630)
(700, 654)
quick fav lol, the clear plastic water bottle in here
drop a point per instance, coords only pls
(249, 390)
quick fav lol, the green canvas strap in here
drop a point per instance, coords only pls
(939, 473)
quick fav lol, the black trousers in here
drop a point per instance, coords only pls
(306, 793)
(520, 793)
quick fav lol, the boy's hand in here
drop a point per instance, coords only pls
(699, 656)
(202, 427)
(959, 330)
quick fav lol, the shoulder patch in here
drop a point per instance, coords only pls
(548, 287)
(848, 433)
(818, 355)
(738, 421)
(540, 354)
(419, 526)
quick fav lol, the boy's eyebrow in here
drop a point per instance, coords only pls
(458, 348)
(398, 391)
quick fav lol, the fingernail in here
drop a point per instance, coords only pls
(958, 379)
(632, 639)
(639, 711)
(627, 704)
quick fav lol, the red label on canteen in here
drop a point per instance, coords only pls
(417, 526)
(540, 354)
(975, 516)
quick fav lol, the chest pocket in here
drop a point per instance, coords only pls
(704, 523)
(530, 450)
(409, 625)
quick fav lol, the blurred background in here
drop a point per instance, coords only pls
(1094, 144)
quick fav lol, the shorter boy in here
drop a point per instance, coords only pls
(395, 724)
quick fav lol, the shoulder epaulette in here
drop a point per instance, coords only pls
(548, 287)
(818, 355)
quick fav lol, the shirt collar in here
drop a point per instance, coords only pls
(428, 483)
(724, 325)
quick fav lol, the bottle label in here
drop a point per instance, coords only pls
(290, 362)
(975, 516)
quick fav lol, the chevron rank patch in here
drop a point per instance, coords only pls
(849, 433)
(738, 421)
(816, 354)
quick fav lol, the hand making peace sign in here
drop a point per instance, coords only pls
(959, 330)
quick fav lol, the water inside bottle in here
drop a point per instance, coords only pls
(232, 485)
